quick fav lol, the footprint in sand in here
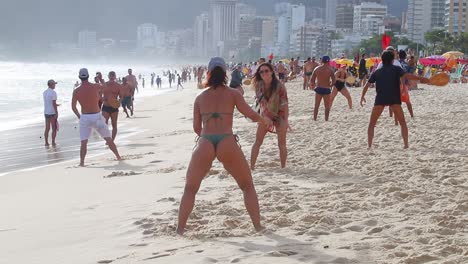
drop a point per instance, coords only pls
(158, 255)
(121, 174)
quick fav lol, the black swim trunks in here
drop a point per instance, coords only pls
(109, 109)
(339, 85)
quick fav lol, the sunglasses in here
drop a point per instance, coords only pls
(264, 71)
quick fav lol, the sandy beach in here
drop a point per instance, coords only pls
(336, 202)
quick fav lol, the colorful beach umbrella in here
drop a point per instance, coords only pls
(347, 62)
(433, 60)
(453, 54)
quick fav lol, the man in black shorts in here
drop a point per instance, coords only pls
(387, 86)
(362, 70)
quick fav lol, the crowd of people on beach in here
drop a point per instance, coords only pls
(213, 110)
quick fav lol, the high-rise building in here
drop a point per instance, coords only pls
(147, 36)
(344, 16)
(373, 25)
(330, 13)
(365, 9)
(87, 41)
(268, 36)
(246, 10)
(246, 30)
(456, 16)
(438, 14)
(201, 35)
(284, 31)
(419, 19)
(298, 16)
(224, 23)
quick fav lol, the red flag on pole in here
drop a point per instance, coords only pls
(270, 57)
(385, 41)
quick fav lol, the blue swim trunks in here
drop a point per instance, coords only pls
(322, 91)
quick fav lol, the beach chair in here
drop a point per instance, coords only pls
(455, 77)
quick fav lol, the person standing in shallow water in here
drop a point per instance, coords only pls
(50, 112)
(212, 121)
(387, 86)
(272, 97)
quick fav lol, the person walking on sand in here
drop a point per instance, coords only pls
(212, 121)
(126, 93)
(50, 112)
(272, 97)
(158, 82)
(179, 82)
(325, 78)
(387, 83)
(131, 80)
(90, 118)
(340, 87)
(110, 92)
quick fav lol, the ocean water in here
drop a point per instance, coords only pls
(22, 85)
(22, 118)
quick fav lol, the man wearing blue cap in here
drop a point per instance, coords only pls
(322, 82)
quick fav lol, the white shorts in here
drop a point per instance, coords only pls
(90, 121)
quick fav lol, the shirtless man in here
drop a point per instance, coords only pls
(282, 72)
(127, 92)
(131, 80)
(325, 78)
(110, 92)
(88, 97)
(309, 67)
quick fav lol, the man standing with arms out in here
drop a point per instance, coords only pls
(88, 97)
(362, 70)
(50, 112)
(387, 86)
(325, 80)
(110, 92)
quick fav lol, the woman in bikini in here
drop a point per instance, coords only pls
(273, 100)
(212, 122)
(340, 77)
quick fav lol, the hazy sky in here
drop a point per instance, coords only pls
(40, 21)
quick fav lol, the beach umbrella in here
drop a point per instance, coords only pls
(433, 60)
(453, 54)
(370, 63)
(463, 61)
(347, 62)
(285, 60)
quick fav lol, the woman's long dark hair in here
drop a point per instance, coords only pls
(257, 79)
(216, 77)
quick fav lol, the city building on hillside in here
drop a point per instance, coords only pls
(456, 16)
(365, 9)
(223, 24)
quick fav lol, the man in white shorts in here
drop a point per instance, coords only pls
(88, 95)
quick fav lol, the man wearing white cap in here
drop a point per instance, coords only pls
(50, 112)
(88, 95)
